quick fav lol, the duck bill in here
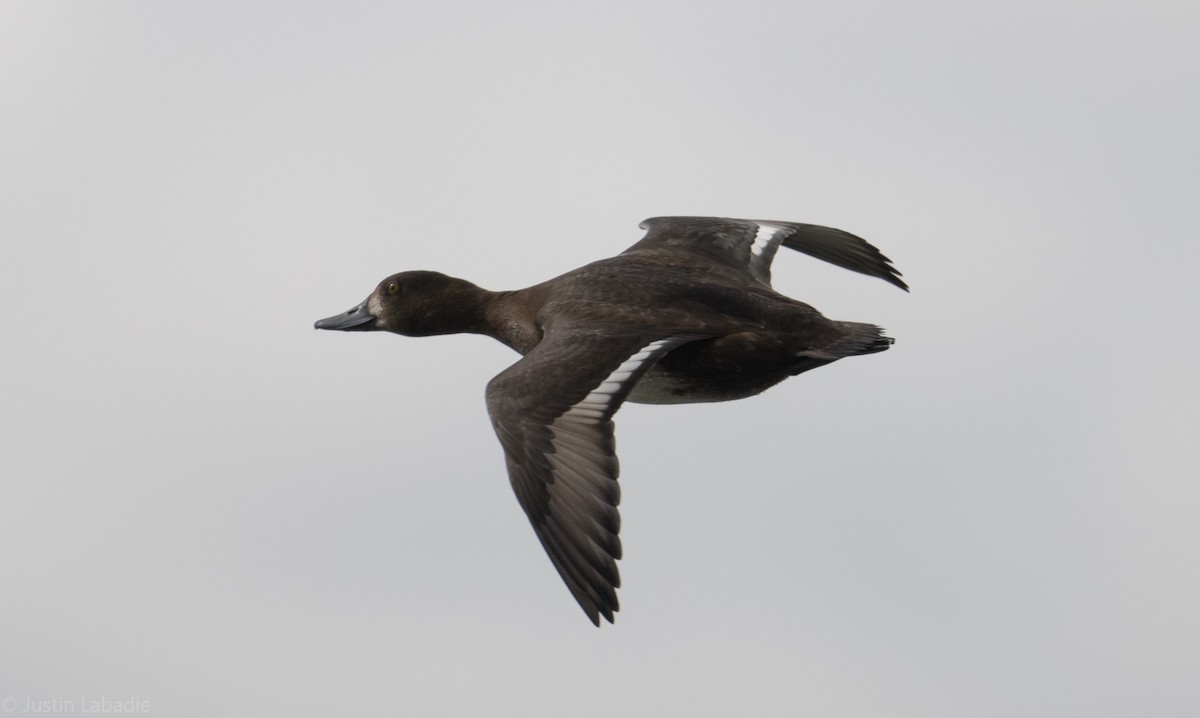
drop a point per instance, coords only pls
(354, 320)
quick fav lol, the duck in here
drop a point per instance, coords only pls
(685, 315)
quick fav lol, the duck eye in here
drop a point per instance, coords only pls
(393, 288)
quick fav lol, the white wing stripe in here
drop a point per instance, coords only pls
(762, 249)
(586, 413)
(764, 237)
(596, 403)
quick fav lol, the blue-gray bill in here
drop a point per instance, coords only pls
(353, 320)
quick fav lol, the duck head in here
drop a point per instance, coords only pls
(414, 304)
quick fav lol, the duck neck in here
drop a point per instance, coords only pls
(511, 318)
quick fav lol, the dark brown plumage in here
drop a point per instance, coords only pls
(685, 315)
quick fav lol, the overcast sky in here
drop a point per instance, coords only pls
(209, 506)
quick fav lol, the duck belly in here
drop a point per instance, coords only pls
(714, 370)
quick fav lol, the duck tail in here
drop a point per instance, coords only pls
(858, 338)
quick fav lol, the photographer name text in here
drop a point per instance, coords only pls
(59, 706)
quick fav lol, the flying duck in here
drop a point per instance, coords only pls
(685, 315)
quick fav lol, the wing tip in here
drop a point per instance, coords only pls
(893, 277)
(596, 612)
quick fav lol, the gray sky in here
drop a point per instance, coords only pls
(212, 507)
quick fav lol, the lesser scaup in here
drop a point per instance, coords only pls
(685, 315)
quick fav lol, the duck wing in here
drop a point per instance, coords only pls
(750, 244)
(552, 412)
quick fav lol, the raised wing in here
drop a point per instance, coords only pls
(750, 244)
(552, 411)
